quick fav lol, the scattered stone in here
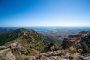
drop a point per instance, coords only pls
(23, 50)
(10, 56)
(32, 58)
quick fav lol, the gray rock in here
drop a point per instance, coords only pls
(32, 58)
(87, 58)
(10, 56)
(13, 45)
(2, 47)
(23, 50)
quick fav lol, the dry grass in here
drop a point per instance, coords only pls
(72, 49)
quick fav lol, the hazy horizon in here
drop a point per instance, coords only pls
(32, 13)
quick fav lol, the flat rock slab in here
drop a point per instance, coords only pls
(2, 47)
(2, 51)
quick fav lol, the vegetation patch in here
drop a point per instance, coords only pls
(26, 59)
(55, 48)
(72, 49)
(43, 51)
(51, 43)
(10, 36)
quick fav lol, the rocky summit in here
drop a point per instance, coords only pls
(22, 44)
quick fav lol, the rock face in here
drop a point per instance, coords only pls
(80, 42)
(76, 41)
(67, 43)
(86, 39)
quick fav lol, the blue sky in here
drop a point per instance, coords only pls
(21, 13)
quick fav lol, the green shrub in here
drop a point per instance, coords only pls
(26, 59)
(44, 51)
(55, 48)
(51, 43)
(19, 58)
(36, 45)
(20, 50)
(3, 59)
(72, 49)
(28, 41)
(28, 51)
(30, 46)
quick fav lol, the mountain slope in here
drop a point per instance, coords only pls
(52, 39)
(23, 42)
(6, 37)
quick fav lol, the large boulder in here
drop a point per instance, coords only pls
(13, 45)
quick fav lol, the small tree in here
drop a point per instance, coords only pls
(51, 43)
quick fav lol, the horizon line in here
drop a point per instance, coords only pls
(44, 26)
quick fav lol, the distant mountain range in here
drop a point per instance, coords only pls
(52, 35)
(5, 30)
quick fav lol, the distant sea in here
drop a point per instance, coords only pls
(35, 28)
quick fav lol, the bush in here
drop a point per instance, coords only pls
(36, 45)
(30, 46)
(51, 43)
(44, 51)
(72, 49)
(28, 41)
(26, 59)
(28, 51)
(3, 59)
(55, 48)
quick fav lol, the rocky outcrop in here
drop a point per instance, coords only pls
(86, 39)
(75, 40)
(49, 54)
(13, 45)
(67, 43)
